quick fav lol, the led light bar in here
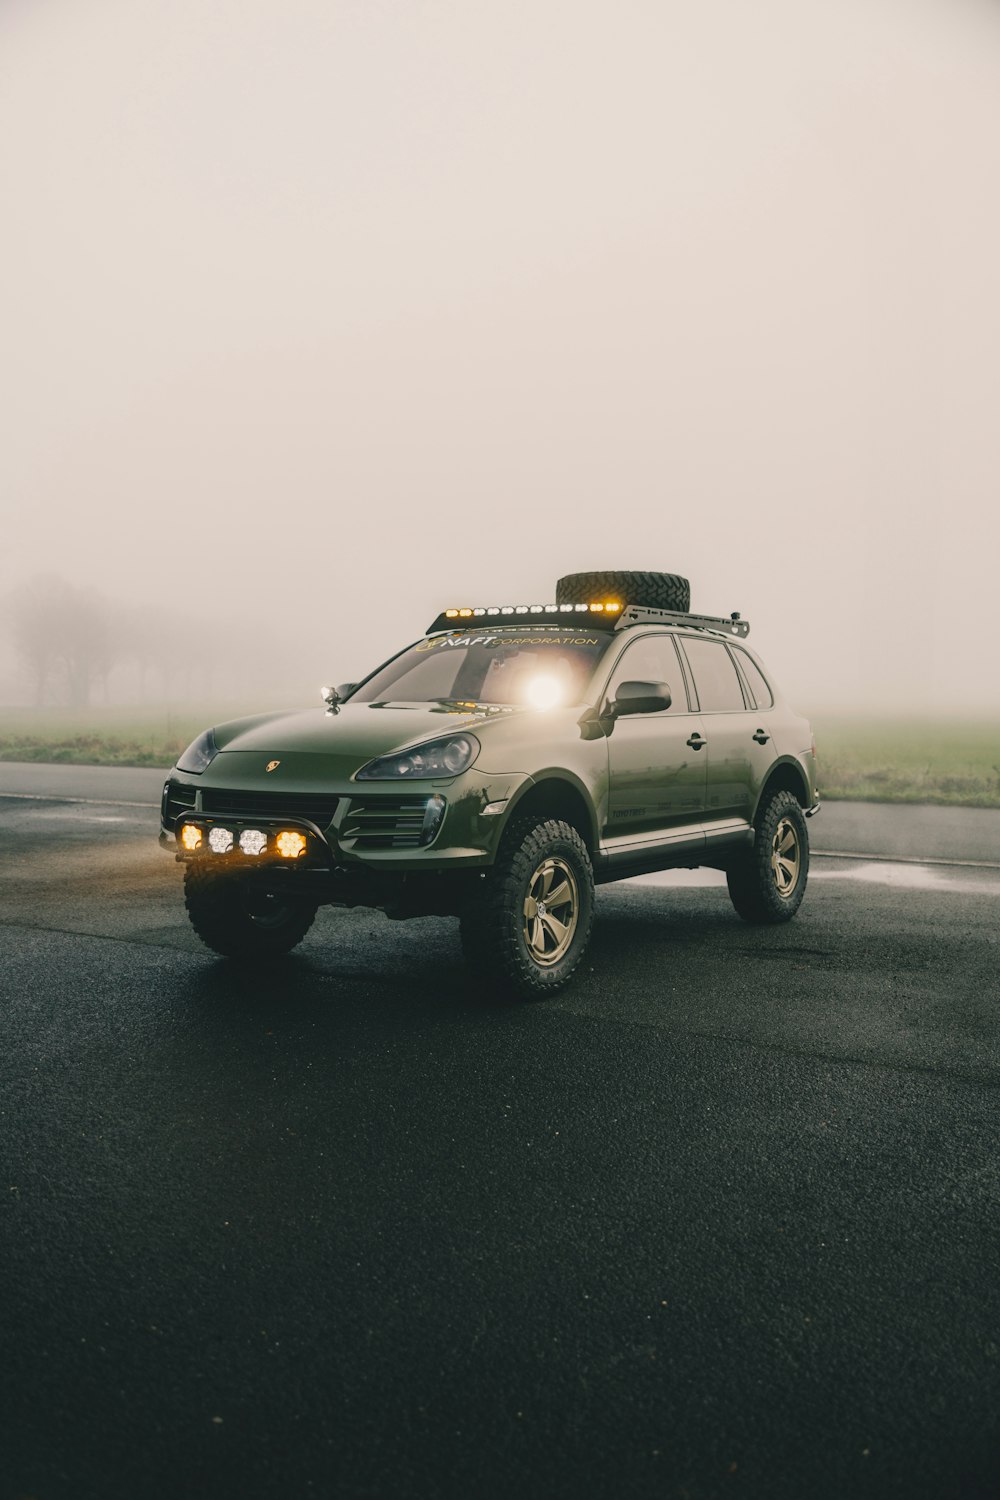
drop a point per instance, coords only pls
(604, 612)
(611, 605)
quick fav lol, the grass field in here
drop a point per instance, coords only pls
(952, 762)
(947, 761)
(108, 736)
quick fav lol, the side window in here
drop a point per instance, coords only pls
(652, 658)
(756, 679)
(715, 677)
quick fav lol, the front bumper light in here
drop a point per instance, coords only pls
(199, 754)
(219, 839)
(291, 844)
(438, 758)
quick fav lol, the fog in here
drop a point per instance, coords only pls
(319, 317)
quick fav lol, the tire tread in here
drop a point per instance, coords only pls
(490, 922)
(224, 925)
(751, 885)
(655, 590)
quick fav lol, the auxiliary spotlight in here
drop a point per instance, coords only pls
(290, 844)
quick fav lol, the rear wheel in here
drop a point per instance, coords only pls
(237, 918)
(767, 882)
(655, 590)
(527, 926)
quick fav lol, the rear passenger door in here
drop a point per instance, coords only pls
(655, 763)
(760, 720)
(728, 734)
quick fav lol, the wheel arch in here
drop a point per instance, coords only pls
(559, 795)
(785, 776)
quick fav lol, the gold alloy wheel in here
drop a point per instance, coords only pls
(786, 858)
(551, 911)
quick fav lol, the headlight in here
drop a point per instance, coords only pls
(449, 757)
(199, 754)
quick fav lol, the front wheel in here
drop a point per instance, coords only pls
(526, 927)
(239, 920)
(767, 882)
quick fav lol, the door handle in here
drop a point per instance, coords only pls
(696, 741)
(761, 737)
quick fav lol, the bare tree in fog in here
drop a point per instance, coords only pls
(149, 639)
(33, 637)
(174, 653)
(63, 638)
(73, 645)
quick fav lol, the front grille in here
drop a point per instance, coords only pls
(177, 799)
(317, 809)
(386, 822)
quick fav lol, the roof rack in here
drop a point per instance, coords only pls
(576, 617)
(641, 614)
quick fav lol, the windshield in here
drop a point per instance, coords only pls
(543, 668)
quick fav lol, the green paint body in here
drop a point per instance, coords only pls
(643, 796)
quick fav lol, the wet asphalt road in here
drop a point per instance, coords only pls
(720, 1220)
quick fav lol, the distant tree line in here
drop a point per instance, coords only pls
(74, 646)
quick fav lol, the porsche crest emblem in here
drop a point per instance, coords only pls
(272, 765)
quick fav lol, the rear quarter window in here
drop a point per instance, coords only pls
(756, 680)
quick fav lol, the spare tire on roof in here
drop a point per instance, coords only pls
(656, 590)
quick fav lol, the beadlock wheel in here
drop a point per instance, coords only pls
(526, 924)
(551, 911)
(768, 881)
(786, 858)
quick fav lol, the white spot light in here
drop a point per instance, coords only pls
(252, 841)
(220, 840)
(544, 692)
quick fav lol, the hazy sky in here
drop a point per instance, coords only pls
(327, 315)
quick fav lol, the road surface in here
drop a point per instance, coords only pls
(721, 1219)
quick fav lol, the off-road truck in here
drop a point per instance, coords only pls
(498, 769)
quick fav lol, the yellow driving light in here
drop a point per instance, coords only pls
(290, 844)
(191, 836)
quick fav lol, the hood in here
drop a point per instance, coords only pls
(316, 744)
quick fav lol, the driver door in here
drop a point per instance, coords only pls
(657, 775)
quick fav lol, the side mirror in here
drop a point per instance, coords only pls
(641, 698)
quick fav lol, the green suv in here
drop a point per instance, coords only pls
(497, 770)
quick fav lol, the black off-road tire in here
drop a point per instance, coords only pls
(656, 590)
(755, 879)
(494, 920)
(234, 919)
